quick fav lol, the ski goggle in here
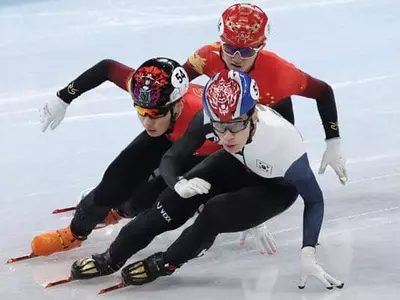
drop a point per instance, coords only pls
(234, 127)
(245, 53)
(153, 113)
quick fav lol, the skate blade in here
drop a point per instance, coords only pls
(20, 258)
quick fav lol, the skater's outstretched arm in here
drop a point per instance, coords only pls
(194, 137)
(53, 111)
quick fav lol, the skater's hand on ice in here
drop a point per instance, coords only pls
(52, 113)
(264, 238)
(309, 267)
(188, 188)
(334, 157)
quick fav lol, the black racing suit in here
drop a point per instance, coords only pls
(125, 184)
(238, 200)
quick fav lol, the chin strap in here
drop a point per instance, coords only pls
(252, 130)
(252, 126)
(174, 117)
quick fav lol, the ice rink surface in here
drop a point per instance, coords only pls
(352, 44)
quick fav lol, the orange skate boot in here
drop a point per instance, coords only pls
(112, 218)
(55, 241)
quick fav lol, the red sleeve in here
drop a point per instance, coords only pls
(326, 104)
(313, 87)
(105, 70)
(120, 74)
(295, 82)
(192, 73)
(291, 80)
(200, 60)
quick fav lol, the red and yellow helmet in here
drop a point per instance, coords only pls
(243, 25)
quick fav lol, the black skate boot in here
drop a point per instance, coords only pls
(95, 266)
(147, 270)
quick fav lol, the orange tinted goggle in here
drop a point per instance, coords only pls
(153, 113)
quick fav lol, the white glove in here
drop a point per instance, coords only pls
(334, 157)
(188, 188)
(52, 113)
(264, 238)
(310, 267)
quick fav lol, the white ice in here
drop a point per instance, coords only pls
(352, 44)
